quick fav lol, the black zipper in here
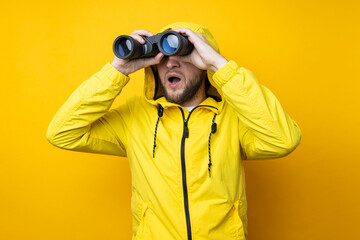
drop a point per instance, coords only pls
(183, 168)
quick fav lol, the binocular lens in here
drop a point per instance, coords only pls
(125, 47)
(170, 43)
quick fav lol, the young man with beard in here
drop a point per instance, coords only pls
(200, 117)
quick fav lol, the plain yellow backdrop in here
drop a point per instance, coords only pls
(306, 52)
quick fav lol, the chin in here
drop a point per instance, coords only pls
(174, 98)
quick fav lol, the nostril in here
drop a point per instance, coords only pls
(172, 63)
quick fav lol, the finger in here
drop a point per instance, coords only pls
(138, 38)
(157, 59)
(143, 32)
(137, 34)
(151, 61)
(187, 32)
(183, 30)
(192, 36)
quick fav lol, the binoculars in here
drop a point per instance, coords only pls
(169, 43)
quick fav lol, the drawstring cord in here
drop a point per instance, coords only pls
(160, 114)
(213, 130)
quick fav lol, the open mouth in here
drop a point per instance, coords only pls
(173, 79)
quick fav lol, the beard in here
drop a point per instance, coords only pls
(190, 90)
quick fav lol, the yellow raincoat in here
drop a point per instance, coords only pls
(187, 170)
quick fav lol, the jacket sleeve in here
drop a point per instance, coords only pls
(265, 129)
(84, 123)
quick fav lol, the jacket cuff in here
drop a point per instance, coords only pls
(113, 75)
(224, 74)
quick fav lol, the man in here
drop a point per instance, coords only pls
(187, 171)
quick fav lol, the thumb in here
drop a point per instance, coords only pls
(153, 60)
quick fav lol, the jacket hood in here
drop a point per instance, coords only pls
(152, 89)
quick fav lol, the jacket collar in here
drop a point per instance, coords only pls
(209, 103)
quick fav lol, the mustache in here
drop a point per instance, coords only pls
(173, 71)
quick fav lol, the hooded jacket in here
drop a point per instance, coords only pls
(186, 167)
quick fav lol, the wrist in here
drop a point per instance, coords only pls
(218, 63)
(120, 68)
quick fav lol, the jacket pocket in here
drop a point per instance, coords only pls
(141, 212)
(237, 223)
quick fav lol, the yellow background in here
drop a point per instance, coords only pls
(306, 52)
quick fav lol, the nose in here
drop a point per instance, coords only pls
(171, 63)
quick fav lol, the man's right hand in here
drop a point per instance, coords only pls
(127, 66)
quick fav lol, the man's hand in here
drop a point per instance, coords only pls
(204, 55)
(126, 66)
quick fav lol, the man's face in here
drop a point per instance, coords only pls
(182, 82)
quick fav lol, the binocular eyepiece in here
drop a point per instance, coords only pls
(169, 43)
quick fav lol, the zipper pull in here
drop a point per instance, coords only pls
(186, 129)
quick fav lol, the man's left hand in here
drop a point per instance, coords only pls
(204, 55)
